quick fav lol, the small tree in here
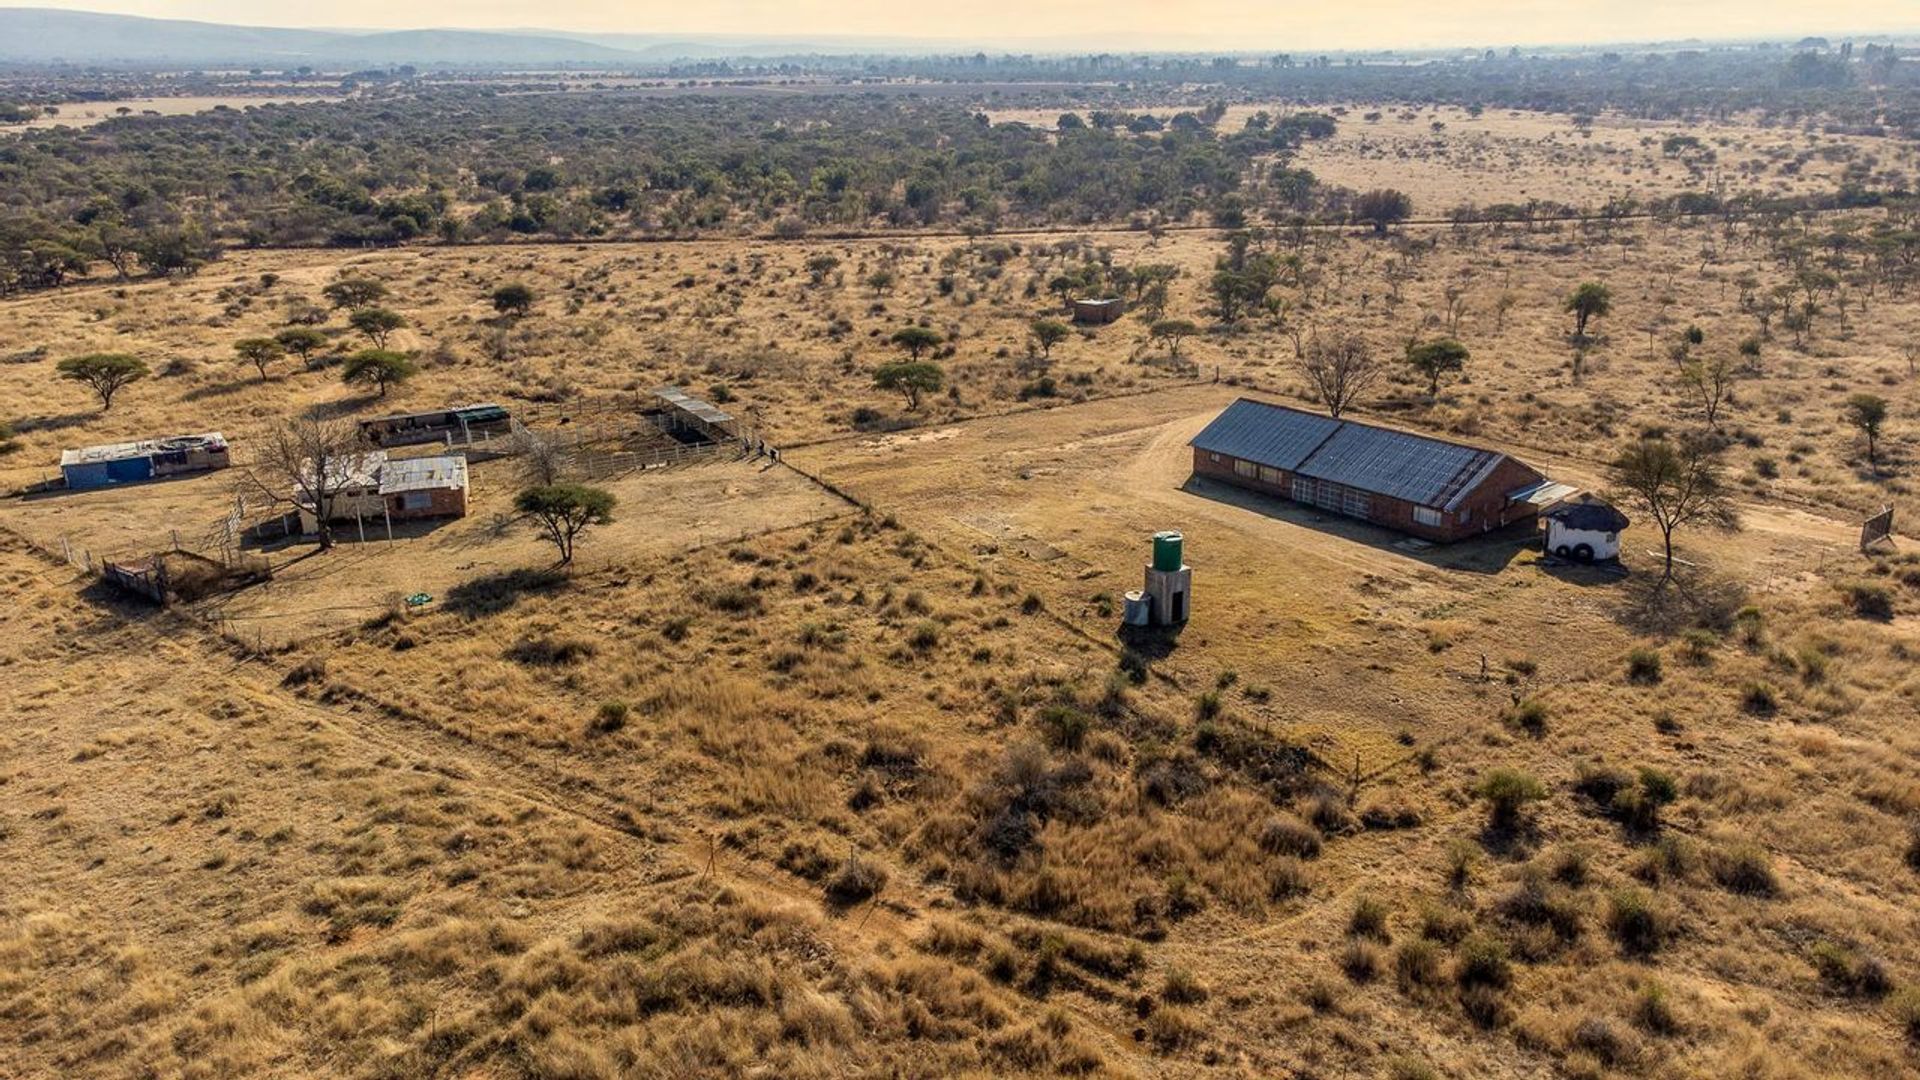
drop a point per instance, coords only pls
(1591, 300)
(880, 281)
(378, 368)
(106, 373)
(307, 463)
(514, 299)
(301, 341)
(1340, 368)
(565, 511)
(1678, 483)
(354, 292)
(1049, 332)
(259, 352)
(1382, 207)
(1710, 383)
(1507, 793)
(1172, 331)
(1867, 413)
(819, 266)
(910, 378)
(377, 323)
(1433, 359)
(916, 340)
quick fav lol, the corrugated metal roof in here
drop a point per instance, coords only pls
(423, 473)
(93, 455)
(680, 399)
(449, 413)
(1381, 461)
(1271, 435)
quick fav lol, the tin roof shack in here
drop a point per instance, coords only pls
(146, 459)
(453, 427)
(1428, 487)
(371, 486)
(1097, 312)
(691, 419)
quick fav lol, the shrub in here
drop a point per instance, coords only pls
(856, 880)
(1360, 960)
(1745, 869)
(1868, 599)
(1320, 995)
(1401, 1067)
(1288, 835)
(1751, 625)
(1637, 922)
(1529, 716)
(1182, 988)
(1288, 879)
(1369, 919)
(1847, 971)
(1598, 1036)
(1484, 1006)
(1507, 792)
(1759, 698)
(1698, 644)
(1447, 925)
(1417, 963)
(1653, 1009)
(1063, 726)
(925, 635)
(1905, 1007)
(1483, 963)
(1643, 666)
(1173, 1028)
(1913, 845)
(612, 716)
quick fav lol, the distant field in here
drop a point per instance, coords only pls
(87, 114)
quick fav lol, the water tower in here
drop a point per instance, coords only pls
(1164, 599)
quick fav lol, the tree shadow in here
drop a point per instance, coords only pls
(219, 389)
(334, 410)
(53, 423)
(495, 593)
(1653, 606)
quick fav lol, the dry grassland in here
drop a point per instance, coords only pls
(775, 785)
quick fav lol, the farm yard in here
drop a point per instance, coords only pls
(828, 754)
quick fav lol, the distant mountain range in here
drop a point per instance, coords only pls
(47, 35)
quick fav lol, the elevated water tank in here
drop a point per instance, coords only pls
(1166, 551)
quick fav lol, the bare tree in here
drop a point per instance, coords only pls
(307, 464)
(1340, 368)
(1677, 482)
(1710, 384)
(543, 461)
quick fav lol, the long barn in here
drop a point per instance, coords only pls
(1417, 484)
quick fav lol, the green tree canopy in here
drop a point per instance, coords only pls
(1592, 300)
(354, 292)
(916, 340)
(105, 373)
(301, 341)
(260, 352)
(513, 299)
(379, 368)
(1049, 332)
(1433, 359)
(1867, 414)
(377, 323)
(565, 511)
(910, 378)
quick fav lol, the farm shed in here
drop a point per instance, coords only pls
(1584, 529)
(1099, 311)
(147, 459)
(373, 486)
(1417, 484)
(460, 424)
(685, 416)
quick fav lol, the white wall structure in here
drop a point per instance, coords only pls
(1584, 530)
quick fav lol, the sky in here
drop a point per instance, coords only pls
(1139, 24)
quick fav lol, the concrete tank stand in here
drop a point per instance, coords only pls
(1169, 584)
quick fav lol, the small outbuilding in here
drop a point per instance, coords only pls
(1098, 311)
(1584, 529)
(145, 459)
(459, 425)
(689, 418)
(373, 487)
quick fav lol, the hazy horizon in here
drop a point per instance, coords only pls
(1132, 24)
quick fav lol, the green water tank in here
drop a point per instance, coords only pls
(1166, 551)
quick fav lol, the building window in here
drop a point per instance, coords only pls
(1215, 458)
(1302, 490)
(416, 500)
(1426, 515)
(1269, 475)
(1245, 468)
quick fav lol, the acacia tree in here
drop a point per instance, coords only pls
(378, 368)
(1340, 368)
(105, 373)
(911, 379)
(1592, 300)
(1867, 413)
(916, 340)
(1382, 207)
(565, 511)
(356, 292)
(377, 323)
(513, 299)
(1049, 332)
(307, 463)
(1433, 359)
(259, 352)
(1172, 331)
(1710, 382)
(301, 341)
(1678, 482)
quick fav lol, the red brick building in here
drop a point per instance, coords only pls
(1417, 484)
